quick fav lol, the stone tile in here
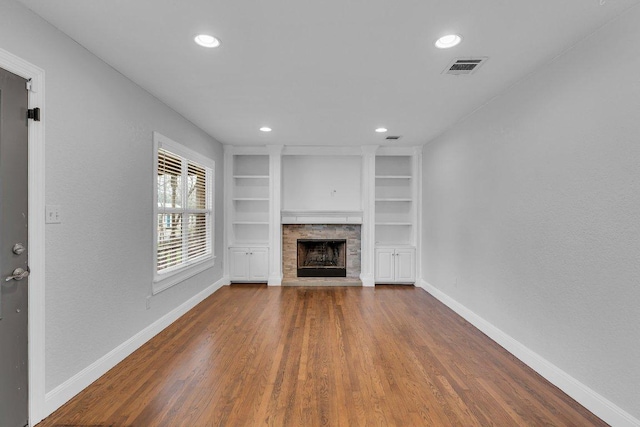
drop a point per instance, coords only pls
(292, 232)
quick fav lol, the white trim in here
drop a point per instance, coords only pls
(398, 151)
(161, 141)
(417, 207)
(368, 228)
(594, 402)
(275, 218)
(322, 150)
(36, 332)
(314, 150)
(74, 385)
(258, 150)
(227, 206)
(322, 217)
(183, 274)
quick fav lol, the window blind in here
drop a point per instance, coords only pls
(184, 211)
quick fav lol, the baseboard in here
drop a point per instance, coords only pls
(367, 280)
(275, 280)
(74, 385)
(594, 402)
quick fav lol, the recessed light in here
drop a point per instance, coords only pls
(450, 40)
(265, 129)
(381, 130)
(205, 40)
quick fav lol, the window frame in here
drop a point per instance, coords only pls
(176, 274)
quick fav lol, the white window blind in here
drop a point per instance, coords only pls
(183, 212)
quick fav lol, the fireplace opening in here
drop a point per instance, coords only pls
(322, 258)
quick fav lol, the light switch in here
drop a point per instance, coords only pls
(53, 214)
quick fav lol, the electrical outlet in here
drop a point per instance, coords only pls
(148, 302)
(53, 214)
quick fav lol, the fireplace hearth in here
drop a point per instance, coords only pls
(322, 258)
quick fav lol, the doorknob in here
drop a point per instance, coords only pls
(18, 274)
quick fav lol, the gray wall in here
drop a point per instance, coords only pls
(99, 170)
(533, 205)
(317, 183)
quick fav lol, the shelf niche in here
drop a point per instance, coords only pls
(394, 201)
(250, 199)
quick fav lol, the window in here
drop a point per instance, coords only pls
(183, 212)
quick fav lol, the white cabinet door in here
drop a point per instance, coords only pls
(258, 264)
(239, 264)
(405, 265)
(384, 265)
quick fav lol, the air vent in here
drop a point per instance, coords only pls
(463, 66)
(393, 138)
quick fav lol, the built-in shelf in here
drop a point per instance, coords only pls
(250, 196)
(251, 222)
(394, 200)
(387, 214)
(393, 176)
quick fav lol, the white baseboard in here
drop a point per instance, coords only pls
(594, 402)
(275, 280)
(367, 280)
(74, 385)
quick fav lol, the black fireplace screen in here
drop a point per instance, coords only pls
(322, 258)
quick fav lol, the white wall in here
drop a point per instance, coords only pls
(321, 183)
(99, 170)
(533, 204)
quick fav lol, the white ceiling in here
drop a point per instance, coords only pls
(325, 72)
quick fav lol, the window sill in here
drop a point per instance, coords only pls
(163, 282)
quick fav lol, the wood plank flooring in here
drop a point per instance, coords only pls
(258, 356)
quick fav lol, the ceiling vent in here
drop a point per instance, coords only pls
(393, 138)
(464, 66)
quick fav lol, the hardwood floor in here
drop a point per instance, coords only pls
(389, 356)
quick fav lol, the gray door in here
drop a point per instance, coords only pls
(13, 250)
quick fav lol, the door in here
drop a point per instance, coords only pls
(13, 251)
(405, 265)
(384, 265)
(239, 264)
(259, 262)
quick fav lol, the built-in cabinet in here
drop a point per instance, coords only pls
(389, 216)
(248, 217)
(248, 264)
(395, 218)
(395, 265)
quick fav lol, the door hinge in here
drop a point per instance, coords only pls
(32, 86)
(34, 114)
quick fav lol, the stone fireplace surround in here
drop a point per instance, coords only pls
(292, 232)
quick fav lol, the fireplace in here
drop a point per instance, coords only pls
(322, 258)
(291, 233)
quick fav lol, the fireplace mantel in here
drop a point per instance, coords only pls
(322, 217)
